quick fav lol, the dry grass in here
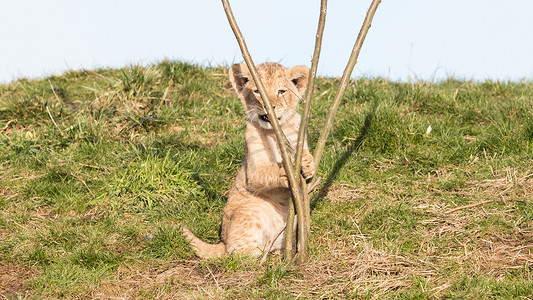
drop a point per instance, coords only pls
(353, 265)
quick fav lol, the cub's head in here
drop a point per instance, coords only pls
(284, 88)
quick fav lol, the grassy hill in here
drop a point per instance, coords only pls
(98, 167)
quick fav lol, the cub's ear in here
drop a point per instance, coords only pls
(298, 76)
(239, 76)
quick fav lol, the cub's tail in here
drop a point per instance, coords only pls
(203, 249)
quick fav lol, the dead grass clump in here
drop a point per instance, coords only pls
(444, 225)
(511, 184)
(367, 272)
(498, 255)
(488, 253)
(339, 193)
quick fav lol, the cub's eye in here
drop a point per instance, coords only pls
(282, 92)
(256, 92)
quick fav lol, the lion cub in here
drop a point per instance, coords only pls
(257, 206)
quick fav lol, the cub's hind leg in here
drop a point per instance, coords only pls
(245, 234)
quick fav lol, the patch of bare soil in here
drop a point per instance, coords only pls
(13, 281)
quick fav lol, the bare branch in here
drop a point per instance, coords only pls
(302, 133)
(310, 85)
(344, 81)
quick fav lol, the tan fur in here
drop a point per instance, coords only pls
(257, 206)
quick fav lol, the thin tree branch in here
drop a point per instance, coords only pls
(302, 133)
(310, 85)
(307, 206)
(319, 150)
(287, 164)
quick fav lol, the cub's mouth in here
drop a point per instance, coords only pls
(265, 118)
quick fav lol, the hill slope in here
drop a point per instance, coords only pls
(98, 167)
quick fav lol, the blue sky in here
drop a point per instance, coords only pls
(409, 39)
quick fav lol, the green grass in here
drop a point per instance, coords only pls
(98, 168)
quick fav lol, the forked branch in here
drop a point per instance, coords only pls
(294, 181)
(297, 184)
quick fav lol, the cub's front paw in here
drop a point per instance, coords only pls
(308, 167)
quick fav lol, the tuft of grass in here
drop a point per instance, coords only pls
(167, 242)
(99, 167)
(153, 182)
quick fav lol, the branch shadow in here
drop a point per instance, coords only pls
(353, 147)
